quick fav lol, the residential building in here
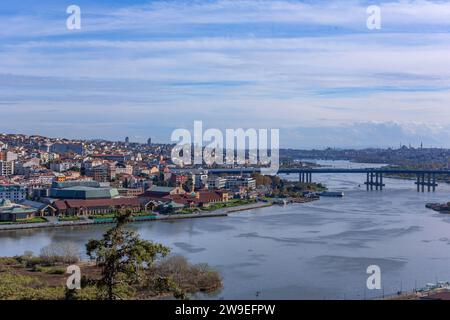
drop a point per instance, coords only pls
(178, 179)
(240, 181)
(200, 180)
(13, 192)
(130, 193)
(159, 192)
(63, 148)
(6, 168)
(62, 166)
(216, 183)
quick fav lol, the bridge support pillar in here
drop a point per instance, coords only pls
(371, 181)
(376, 180)
(381, 181)
(367, 182)
(429, 181)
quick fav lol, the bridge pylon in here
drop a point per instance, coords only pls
(305, 177)
(374, 180)
(430, 182)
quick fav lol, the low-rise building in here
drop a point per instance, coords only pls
(78, 207)
(82, 190)
(10, 211)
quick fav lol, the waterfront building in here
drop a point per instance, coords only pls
(78, 207)
(82, 190)
(10, 211)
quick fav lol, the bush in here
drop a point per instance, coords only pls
(63, 252)
(189, 278)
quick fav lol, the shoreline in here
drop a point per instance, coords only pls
(223, 212)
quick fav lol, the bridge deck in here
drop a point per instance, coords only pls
(334, 170)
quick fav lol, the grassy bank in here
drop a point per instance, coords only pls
(37, 278)
(25, 221)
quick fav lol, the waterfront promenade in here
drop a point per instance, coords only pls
(158, 217)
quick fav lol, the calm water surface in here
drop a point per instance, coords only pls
(318, 250)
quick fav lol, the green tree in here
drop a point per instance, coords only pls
(123, 258)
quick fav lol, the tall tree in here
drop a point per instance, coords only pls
(123, 258)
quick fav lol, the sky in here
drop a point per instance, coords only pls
(311, 69)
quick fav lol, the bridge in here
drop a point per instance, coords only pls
(374, 176)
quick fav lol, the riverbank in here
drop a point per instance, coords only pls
(30, 277)
(157, 217)
(439, 291)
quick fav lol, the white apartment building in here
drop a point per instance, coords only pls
(216, 182)
(6, 168)
(239, 181)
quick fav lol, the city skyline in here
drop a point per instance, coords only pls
(313, 70)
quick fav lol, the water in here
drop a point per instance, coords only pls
(318, 250)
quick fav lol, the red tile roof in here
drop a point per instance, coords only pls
(65, 204)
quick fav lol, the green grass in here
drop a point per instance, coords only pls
(69, 218)
(25, 221)
(113, 215)
(229, 204)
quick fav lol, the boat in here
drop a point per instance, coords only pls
(337, 194)
(280, 201)
(440, 207)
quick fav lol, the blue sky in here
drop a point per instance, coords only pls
(310, 68)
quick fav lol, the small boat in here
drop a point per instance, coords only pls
(336, 194)
(280, 201)
(440, 207)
